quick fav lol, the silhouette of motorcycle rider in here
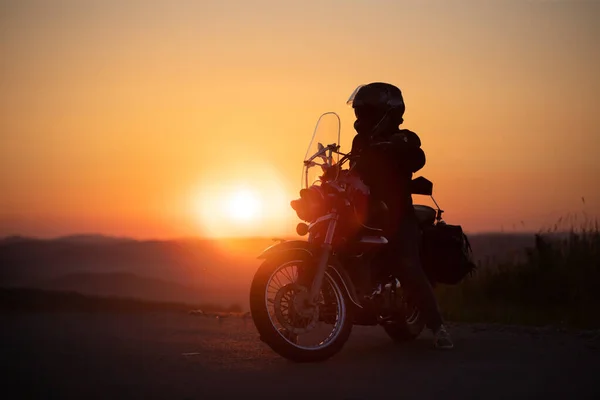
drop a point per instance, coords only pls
(385, 158)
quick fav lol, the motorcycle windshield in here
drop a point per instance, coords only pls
(322, 149)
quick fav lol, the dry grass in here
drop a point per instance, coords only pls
(556, 282)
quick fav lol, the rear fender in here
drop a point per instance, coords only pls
(334, 269)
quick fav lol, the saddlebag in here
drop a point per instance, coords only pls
(446, 253)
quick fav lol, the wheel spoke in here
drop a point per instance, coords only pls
(287, 274)
(295, 320)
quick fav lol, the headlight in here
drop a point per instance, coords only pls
(311, 204)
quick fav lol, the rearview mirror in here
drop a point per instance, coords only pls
(422, 186)
(323, 155)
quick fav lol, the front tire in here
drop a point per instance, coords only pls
(279, 329)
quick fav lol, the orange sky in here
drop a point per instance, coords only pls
(131, 119)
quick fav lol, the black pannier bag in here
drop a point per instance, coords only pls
(446, 253)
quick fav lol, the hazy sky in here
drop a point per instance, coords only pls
(134, 117)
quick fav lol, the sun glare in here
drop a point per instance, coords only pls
(236, 207)
(243, 205)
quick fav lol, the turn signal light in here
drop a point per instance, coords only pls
(301, 229)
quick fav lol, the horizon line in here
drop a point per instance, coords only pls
(225, 238)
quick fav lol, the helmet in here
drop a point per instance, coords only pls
(377, 105)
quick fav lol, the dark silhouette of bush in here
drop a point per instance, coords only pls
(556, 283)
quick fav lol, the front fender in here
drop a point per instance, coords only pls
(334, 269)
(288, 245)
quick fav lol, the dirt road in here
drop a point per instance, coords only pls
(175, 356)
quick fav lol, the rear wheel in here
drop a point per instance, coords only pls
(407, 326)
(284, 317)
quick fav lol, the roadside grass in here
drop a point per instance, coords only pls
(557, 282)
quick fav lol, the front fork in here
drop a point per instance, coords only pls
(323, 260)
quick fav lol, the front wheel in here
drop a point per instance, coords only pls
(284, 318)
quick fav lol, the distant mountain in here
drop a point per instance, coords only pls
(167, 269)
(178, 261)
(92, 238)
(79, 238)
(100, 264)
(16, 239)
(122, 284)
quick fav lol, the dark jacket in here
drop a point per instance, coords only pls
(386, 165)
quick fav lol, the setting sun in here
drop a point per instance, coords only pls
(252, 204)
(244, 205)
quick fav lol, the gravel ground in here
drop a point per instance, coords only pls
(178, 356)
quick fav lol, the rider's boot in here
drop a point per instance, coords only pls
(441, 339)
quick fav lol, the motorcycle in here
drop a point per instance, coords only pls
(306, 295)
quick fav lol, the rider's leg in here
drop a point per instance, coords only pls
(406, 258)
